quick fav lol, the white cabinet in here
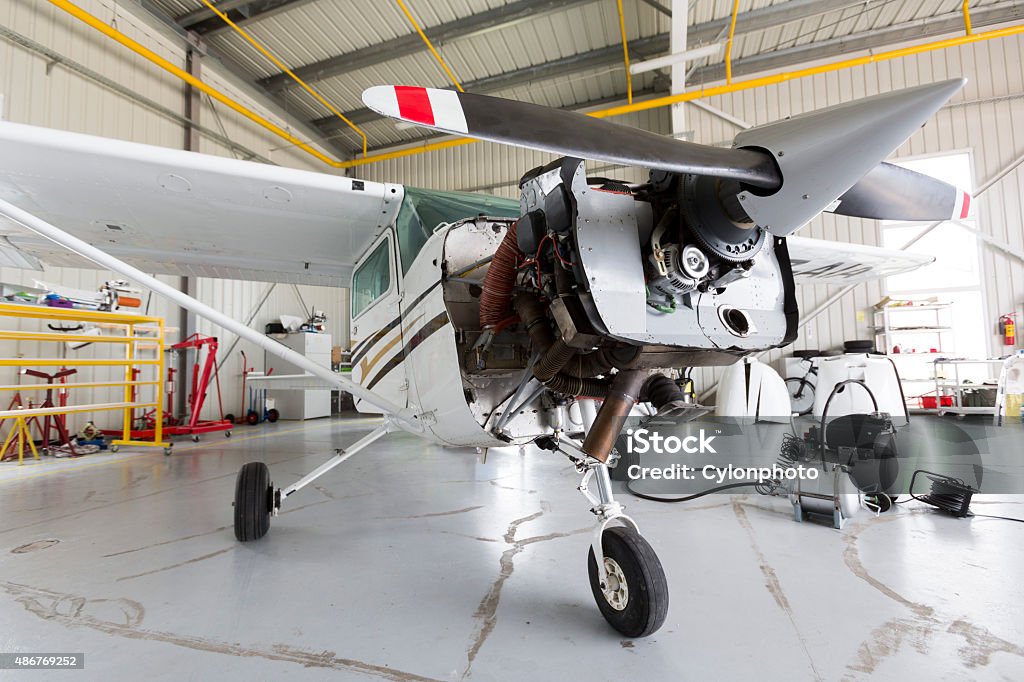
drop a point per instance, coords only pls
(296, 404)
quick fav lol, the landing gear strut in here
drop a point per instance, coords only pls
(256, 499)
(626, 576)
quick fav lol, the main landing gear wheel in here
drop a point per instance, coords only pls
(634, 599)
(254, 502)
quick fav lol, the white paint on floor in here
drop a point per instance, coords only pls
(414, 562)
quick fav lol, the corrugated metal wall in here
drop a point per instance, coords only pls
(58, 98)
(981, 119)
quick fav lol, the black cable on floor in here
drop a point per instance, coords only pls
(1004, 518)
(654, 498)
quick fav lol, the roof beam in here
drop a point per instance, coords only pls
(930, 27)
(607, 56)
(766, 17)
(403, 46)
(204, 22)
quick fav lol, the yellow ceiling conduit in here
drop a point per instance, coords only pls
(415, 25)
(701, 93)
(653, 103)
(728, 45)
(625, 54)
(143, 51)
(967, 18)
(285, 69)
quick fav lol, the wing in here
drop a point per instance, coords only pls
(173, 212)
(819, 261)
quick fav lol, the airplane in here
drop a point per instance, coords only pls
(486, 322)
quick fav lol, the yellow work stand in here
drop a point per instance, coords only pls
(21, 431)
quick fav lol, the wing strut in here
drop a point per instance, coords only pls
(55, 234)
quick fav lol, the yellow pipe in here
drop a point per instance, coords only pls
(811, 71)
(68, 409)
(718, 90)
(625, 54)
(70, 338)
(75, 314)
(728, 45)
(71, 362)
(277, 62)
(142, 51)
(430, 45)
(89, 384)
(603, 113)
(967, 18)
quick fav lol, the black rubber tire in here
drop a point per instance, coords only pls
(859, 346)
(647, 604)
(796, 385)
(254, 497)
(229, 418)
(273, 415)
(195, 438)
(252, 418)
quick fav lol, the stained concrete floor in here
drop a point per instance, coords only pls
(414, 562)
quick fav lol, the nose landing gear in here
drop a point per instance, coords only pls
(626, 576)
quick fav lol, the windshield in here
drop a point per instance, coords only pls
(424, 209)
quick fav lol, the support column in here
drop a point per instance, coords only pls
(187, 285)
(677, 43)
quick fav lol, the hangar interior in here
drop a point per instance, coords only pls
(423, 559)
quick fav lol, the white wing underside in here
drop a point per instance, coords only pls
(173, 212)
(819, 261)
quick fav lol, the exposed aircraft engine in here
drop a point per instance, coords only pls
(671, 273)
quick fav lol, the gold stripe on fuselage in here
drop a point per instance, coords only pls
(367, 364)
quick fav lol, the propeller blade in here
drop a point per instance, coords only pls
(564, 132)
(891, 192)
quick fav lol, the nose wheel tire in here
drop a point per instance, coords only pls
(254, 502)
(634, 599)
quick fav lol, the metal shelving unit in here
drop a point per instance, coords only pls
(888, 334)
(956, 386)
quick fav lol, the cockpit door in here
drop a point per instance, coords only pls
(376, 323)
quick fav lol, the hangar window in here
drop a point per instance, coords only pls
(372, 279)
(955, 276)
(424, 209)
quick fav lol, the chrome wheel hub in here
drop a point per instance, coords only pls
(615, 590)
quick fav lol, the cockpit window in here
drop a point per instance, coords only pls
(424, 209)
(372, 280)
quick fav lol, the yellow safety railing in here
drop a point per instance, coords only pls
(130, 341)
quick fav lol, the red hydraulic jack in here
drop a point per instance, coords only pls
(200, 385)
(190, 424)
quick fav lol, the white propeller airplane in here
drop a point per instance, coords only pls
(480, 321)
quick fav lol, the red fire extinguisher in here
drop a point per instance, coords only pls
(1008, 329)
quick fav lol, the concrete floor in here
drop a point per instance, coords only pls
(413, 562)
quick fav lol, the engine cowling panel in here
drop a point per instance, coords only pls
(673, 264)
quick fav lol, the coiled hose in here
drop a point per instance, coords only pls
(496, 299)
(554, 353)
